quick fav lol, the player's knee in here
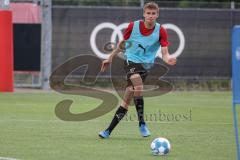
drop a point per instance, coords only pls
(138, 88)
(129, 89)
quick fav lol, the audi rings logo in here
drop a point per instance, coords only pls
(117, 31)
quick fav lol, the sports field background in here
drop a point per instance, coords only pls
(29, 129)
(198, 123)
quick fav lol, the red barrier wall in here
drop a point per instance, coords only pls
(6, 51)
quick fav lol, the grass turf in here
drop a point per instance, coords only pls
(199, 126)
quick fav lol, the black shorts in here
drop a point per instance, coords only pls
(133, 68)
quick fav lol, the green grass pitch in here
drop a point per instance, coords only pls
(199, 126)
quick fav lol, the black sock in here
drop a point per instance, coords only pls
(117, 117)
(139, 103)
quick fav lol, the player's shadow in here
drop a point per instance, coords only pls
(119, 138)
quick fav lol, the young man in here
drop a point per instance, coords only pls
(143, 39)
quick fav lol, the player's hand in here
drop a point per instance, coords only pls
(170, 60)
(105, 64)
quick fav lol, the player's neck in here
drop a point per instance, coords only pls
(149, 25)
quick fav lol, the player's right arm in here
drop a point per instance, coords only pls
(107, 62)
(120, 47)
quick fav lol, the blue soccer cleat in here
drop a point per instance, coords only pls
(104, 134)
(144, 130)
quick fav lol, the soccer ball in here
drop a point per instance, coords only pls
(160, 146)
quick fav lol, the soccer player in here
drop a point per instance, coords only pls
(143, 39)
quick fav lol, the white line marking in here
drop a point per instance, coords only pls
(7, 158)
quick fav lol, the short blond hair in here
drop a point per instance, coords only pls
(151, 5)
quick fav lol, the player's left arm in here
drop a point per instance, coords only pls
(167, 58)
